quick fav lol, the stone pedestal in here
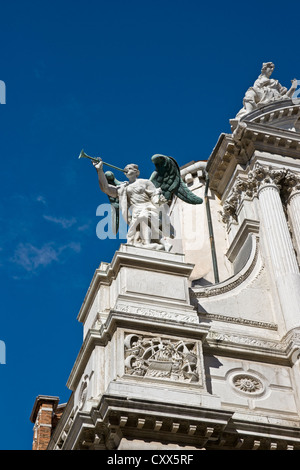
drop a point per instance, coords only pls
(140, 370)
(139, 281)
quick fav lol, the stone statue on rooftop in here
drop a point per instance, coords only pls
(144, 203)
(265, 90)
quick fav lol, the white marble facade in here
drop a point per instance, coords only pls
(172, 359)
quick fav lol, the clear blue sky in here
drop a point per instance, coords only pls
(124, 80)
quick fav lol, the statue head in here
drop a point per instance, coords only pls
(267, 68)
(132, 171)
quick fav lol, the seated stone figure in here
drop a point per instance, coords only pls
(265, 90)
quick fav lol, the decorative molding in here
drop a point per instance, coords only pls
(150, 312)
(240, 321)
(248, 341)
(285, 347)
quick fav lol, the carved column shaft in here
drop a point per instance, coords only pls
(294, 215)
(281, 250)
(266, 183)
(278, 236)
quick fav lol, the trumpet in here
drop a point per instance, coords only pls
(97, 160)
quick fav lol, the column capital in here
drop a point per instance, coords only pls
(257, 179)
(261, 177)
(291, 185)
(266, 176)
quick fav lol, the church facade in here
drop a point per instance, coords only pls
(199, 347)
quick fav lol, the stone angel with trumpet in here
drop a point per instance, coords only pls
(144, 203)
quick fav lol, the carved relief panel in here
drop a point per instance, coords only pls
(163, 358)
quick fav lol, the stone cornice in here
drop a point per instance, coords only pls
(284, 351)
(275, 113)
(240, 321)
(205, 428)
(220, 162)
(145, 420)
(274, 140)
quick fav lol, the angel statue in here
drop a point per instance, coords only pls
(144, 203)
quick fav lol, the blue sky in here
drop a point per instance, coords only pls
(124, 80)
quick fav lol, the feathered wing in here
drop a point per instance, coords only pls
(167, 177)
(115, 205)
(187, 195)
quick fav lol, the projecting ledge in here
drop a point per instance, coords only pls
(161, 261)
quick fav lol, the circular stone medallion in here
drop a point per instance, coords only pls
(247, 384)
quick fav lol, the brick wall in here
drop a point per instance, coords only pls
(44, 418)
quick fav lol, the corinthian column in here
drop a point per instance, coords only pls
(292, 182)
(278, 239)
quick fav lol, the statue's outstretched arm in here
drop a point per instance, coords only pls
(293, 88)
(107, 188)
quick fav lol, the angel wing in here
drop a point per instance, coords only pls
(167, 177)
(115, 205)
